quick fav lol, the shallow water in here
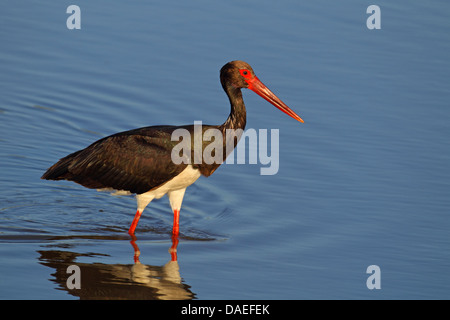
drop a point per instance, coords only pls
(364, 181)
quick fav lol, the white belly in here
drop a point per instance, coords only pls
(174, 188)
(187, 177)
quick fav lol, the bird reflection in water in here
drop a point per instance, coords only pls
(119, 281)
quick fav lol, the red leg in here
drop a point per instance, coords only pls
(135, 222)
(176, 222)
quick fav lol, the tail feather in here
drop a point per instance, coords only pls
(60, 170)
(74, 169)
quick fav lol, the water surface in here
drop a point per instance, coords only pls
(364, 181)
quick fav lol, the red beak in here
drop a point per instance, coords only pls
(259, 88)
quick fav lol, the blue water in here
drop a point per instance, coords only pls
(364, 181)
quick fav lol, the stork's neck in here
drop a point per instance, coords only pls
(231, 129)
(238, 116)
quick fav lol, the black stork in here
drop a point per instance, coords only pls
(139, 161)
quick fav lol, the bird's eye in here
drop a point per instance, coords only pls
(245, 73)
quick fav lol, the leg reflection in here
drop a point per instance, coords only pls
(172, 249)
(137, 253)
